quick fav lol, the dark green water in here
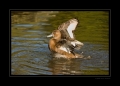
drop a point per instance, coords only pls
(29, 45)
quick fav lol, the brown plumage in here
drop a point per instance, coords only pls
(55, 46)
(63, 41)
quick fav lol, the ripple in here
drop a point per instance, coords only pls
(23, 38)
(23, 25)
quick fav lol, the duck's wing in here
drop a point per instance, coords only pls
(67, 29)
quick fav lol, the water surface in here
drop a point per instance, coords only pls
(29, 45)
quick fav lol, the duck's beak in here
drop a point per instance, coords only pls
(51, 35)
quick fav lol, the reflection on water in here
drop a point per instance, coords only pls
(29, 46)
(67, 67)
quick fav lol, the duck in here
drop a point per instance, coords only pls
(60, 48)
(63, 42)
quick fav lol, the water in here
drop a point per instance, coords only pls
(29, 45)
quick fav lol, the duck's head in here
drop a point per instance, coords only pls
(55, 34)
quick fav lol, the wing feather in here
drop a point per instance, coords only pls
(67, 27)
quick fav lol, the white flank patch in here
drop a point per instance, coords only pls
(65, 49)
(73, 43)
(76, 42)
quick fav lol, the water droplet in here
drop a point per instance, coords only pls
(89, 57)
